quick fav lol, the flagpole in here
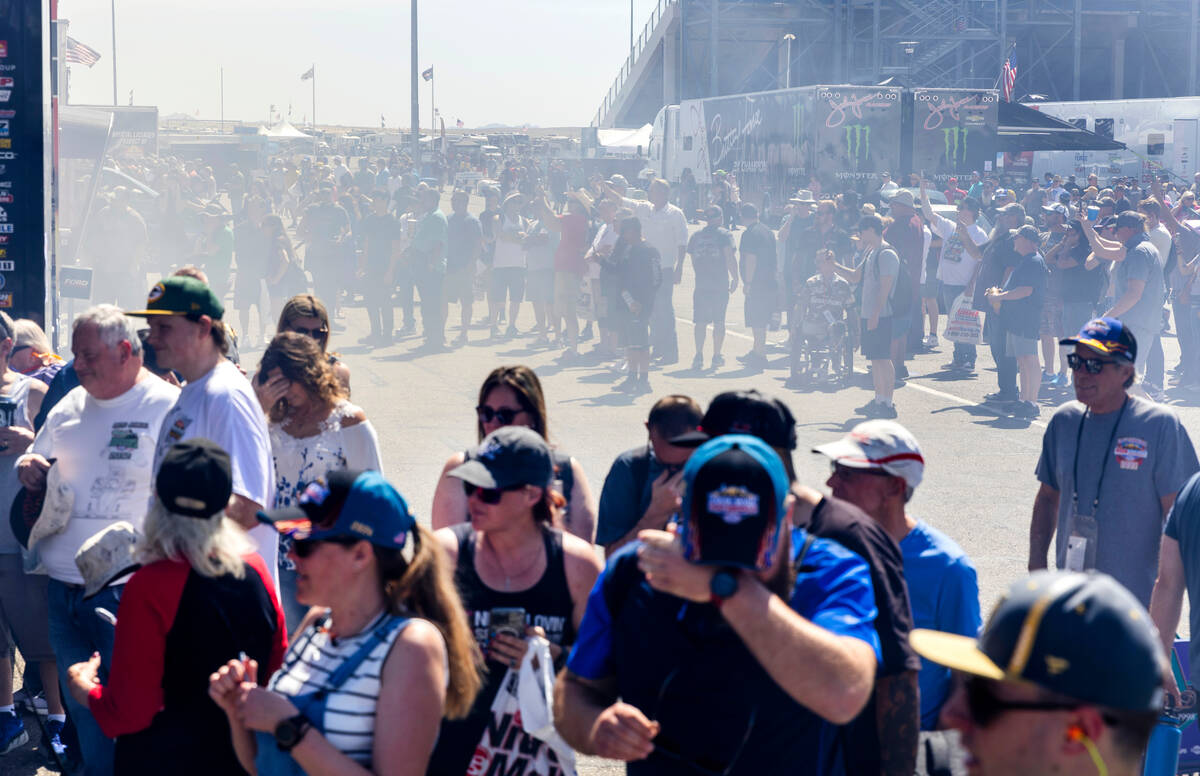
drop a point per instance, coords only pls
(114, 50)
(432, 108)
(414, 94)
(316, 142)
(222, 100)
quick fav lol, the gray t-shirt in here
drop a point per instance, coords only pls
(1141, 263)
(878, 265)
(1151, 458)
(1183, 525)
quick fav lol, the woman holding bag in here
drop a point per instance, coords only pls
(518, 577)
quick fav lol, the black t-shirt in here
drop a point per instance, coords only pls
(811, 240)
(380, 232)
(759, 240)
(1023, 317)
(852, 528)
(999, 256)
(707, 248)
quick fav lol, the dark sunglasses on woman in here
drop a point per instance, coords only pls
(506, 415)
(490, 496)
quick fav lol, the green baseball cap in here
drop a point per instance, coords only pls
(181, 295)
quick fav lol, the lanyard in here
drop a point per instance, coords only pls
(1103, 461)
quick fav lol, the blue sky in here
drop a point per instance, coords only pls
(543, 62)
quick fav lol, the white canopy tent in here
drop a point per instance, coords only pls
(624, 142)
(285, 131)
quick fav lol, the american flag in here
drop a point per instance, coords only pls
(81, 53)
(1009, 74)
(427, 74)
(460, 124)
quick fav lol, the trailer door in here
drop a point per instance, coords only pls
(1183, 157)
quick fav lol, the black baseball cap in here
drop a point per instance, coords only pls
(1081, 635)
(181, 295)
(509, 456)
(744, 412)
(734, 490)
(195, 478)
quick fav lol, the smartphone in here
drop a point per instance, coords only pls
(507, 619)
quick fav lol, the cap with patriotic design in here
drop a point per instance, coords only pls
(879, 444)
(1106, 335)
(347, 504)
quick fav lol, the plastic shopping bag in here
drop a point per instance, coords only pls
(964, 324)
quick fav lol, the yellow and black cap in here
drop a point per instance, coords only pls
(181, 295)
(1106, 335)
(1081, 635)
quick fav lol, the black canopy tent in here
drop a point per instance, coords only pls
(1025, 129)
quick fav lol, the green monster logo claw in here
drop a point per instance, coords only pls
(955, 140)
(858, 142)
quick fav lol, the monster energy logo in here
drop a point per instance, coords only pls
(955, 140)
(858, 142)
(797, 125)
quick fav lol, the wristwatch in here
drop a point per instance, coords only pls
(722, 586)
(289, 732)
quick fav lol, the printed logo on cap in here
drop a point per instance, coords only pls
(489, 452)
(315, 493)
(156, 293)
(734, 503)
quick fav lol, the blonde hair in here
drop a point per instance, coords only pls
(214, 546)
(425, 586)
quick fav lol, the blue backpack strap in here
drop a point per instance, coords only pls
(351, 664)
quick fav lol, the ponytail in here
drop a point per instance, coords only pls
(424, 586)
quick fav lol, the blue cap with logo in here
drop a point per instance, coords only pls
(734, 490)
(1106, 335)
(348, 504)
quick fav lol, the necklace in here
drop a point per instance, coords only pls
(507, 576)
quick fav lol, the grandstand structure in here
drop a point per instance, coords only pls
(1064, 49)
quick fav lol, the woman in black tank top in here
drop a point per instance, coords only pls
(511, 571)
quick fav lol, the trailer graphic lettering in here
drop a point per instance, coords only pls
(858, 142)
(955, 140)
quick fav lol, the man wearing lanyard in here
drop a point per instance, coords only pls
(1111, 465)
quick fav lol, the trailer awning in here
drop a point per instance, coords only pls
(1022, 128)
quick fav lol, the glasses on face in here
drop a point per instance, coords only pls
(305, 547)
(318, 334)
(506, 415)
(19, 348)
(846, 472)
(1093, 366)
(489, 496)
(984, 707)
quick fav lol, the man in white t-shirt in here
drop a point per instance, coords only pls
(217, 401)
(101, 439)
(956, 267)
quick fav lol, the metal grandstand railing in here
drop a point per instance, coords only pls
(610, 99)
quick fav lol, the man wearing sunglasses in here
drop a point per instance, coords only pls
(1111, 465)
(749, 662)
(1037, 695)
(877, 467)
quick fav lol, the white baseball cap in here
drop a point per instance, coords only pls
(879, 444)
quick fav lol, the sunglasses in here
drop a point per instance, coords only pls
(317, 334)
(305, 547)
(984, 707)
(506, 415)
(1093, 366)
(490, 496)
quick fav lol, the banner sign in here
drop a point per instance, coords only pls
(954, 132)
(857, 131)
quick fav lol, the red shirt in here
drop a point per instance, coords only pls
(573, 245)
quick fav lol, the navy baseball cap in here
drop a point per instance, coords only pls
(1081, 635)
(734, 491)
(1106, 335)
(744, 412)
(509, 456)
(348, 504)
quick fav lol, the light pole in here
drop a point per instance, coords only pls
(787, 82)
(114, 49)
(416, 105)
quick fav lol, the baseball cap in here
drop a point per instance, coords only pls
(618, 180)
(712, 211)
(510, 455)
(904, 198)
(734, 490)
(181, 295)
(1057, 207)
(1029, 233)
(195, 478)
(1046, 630)
(1012, 209)
(1106, 202)
(879, 444)
(1106, 335)
(351, 504)
(744, 412)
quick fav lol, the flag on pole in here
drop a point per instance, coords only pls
(460, 124)
(382, 121)
(1009, 74)
(81, 53)
(309, 73)
(427, 74)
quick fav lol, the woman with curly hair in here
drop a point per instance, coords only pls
(314, 430)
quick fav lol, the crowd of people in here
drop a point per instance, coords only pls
(208, 567)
